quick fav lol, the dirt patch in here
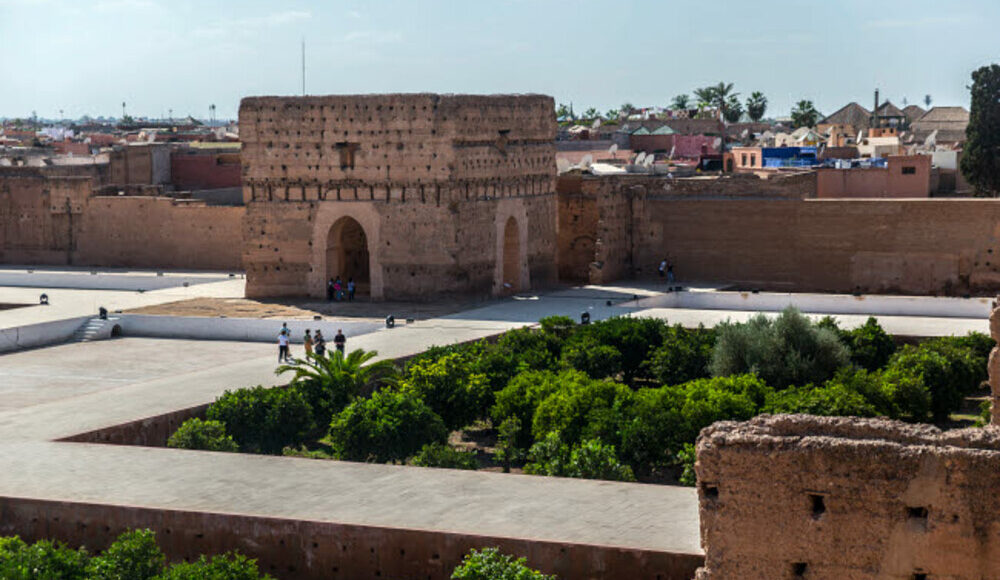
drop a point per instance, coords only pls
(306, 310)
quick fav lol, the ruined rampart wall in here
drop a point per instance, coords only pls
(56, 220)
(795, 496)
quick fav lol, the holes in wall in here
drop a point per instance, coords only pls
(799, 569)
(710, 491)
(919, 576)
(818, 504)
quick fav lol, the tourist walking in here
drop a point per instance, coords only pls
(350, 289)
(337, 293)
(308, 342)
(670, 273)
(283, 354)
(662, 268)
(329, 290)
(319, 343)
(340, 341)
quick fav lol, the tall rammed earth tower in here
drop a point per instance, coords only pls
(410, 195)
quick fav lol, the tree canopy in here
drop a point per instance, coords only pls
(981, 155)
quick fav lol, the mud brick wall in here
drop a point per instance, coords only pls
(432, 181)
(308, 550)
(37, 216)
(796, 496)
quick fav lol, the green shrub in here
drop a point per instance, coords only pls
(731, 398)
(949, 371)
(519, 350)
(263, 420)
(490, 564)
(229, 566)
(205, 435)
(786, 351)
(685, 459)
(507, 449)
(655, 428)
(870, 345)
(985, 413)
(133, 556)
(596, 360)
(389, 426)
(832, 399)
(684, 356)
(521, 397)
(583, 408)
(591, 459)
(559, 326)
(451, 388)
(445, 456)
(42, 560)
(635, 338)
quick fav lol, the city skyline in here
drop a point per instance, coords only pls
(88, 58)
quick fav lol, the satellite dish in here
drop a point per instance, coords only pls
(717, 143)
(640, 158)
(672, 149)
(596, 124)
(613, 149)
(649, 161)
(931, 139)
(562, 164)
(587, 160)
(858, 139)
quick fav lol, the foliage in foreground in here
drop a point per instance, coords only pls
(490, 564)
(389, 426)
(205, 435)
(134, 555)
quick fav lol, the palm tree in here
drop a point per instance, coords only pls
(333, 380)
(804, 114)
(705, 96)
(611, 115)
(627, 109)
(733, 110)
(681, 102)
(756, 106)
(927, 101)
(591, 113)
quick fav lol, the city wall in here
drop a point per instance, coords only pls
(302, 549)
(765, 235)
(57, 221)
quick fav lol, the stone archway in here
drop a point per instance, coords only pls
(511, 258)
(347, 254)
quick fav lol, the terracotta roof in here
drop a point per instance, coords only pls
(949, 122)
(946, 114)
(850, 114)
(887, 109)
(913, 112)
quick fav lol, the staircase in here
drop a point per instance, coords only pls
(94, 329)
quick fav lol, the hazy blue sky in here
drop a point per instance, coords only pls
(89, 56)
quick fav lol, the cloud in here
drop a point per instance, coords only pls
(373, 37)
(251, 24)
(124, 5)
(916, 22)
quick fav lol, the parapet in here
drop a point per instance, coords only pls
(797, 496)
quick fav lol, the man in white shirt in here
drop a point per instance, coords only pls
(283, 355)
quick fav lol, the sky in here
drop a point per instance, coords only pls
(157, 56)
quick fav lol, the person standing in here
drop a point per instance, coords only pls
(337, 287)
(308, 342)
(319, 343)
(670, 273)
(283, 355)
(340, 341)
(329, 290)
(662, 268)
(350, 289)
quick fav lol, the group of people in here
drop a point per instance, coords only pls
(312, 343)
(335, 289)
(666, 270)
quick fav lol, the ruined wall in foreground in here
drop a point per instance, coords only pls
(795, 496)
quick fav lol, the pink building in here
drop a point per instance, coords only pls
(905, 176)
